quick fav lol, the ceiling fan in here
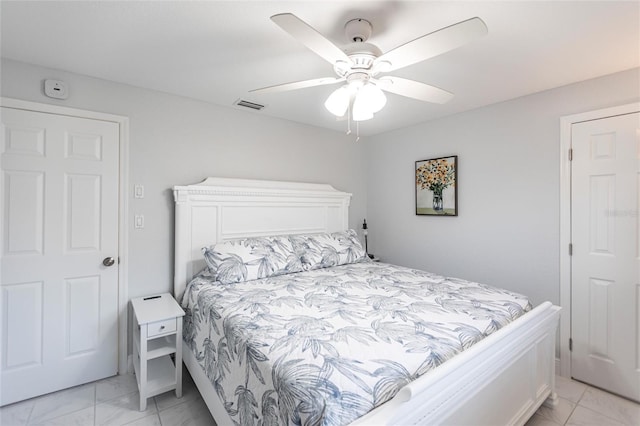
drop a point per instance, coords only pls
(360, 64)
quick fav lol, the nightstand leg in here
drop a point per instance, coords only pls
(179, 358)
(143, 367)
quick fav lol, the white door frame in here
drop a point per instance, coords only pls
(565, 220)
(123, 228)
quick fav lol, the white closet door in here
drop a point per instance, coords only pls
(59, 212)
(606, 251)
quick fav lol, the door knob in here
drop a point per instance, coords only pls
(108, 261)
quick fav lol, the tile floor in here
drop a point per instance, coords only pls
(114, 401)
(581, 404)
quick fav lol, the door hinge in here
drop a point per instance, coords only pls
(570, 344)
(570, 154)
(570, 249)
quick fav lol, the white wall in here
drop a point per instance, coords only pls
(178, 141)
(507, 231)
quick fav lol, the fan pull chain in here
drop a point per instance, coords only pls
(349, 124)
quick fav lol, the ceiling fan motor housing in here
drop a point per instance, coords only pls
(358, 30)
(361, 54)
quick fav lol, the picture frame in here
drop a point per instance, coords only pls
(436, 181)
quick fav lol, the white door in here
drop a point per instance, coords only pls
(605, 283)
(59, 214)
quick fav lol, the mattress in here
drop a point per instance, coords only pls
(327, 346)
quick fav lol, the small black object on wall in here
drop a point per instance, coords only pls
(365, 232)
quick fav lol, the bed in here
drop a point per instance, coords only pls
(499, 379)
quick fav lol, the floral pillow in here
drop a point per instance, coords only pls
(247, 259)
(325, 250)
(254, 258)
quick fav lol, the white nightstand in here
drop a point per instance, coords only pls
(157, 334)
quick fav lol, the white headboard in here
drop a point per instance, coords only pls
(220, 209)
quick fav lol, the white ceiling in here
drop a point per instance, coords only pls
(217, 51)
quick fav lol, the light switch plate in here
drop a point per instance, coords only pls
(138, 222)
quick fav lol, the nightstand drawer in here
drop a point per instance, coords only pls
(161, 327)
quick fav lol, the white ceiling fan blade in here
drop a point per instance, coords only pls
(298, 85)
(311, 38)
(433, 44)
(414, 89)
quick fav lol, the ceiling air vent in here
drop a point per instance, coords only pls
(248, 104)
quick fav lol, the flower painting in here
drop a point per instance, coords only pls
(436, 186)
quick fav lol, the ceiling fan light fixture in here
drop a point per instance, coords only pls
(361, 110)
(338, 102)
(372, 96)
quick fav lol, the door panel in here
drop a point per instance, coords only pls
(23, 326)
(83, 319)
(82, 213)
(605, 265)
(59, 319)
(24, 212)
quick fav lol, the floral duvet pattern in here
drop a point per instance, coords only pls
(324, 347)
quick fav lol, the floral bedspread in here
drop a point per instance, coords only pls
(324, 347)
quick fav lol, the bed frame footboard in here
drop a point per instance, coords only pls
(501, 380)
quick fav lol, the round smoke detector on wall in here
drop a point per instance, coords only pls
(56, 89)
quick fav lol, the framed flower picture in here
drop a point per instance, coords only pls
(437, 186)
